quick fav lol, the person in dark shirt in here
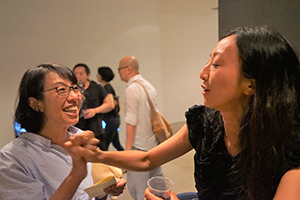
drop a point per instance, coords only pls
(112, 118)
(95, 103)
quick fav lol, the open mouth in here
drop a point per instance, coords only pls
(204, 88)
(72, 109)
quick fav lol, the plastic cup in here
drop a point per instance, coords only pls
(160, 185)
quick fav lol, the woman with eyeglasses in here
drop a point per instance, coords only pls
(36, 165)
(247, 133)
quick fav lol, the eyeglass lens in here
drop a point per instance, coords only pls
(64, 90)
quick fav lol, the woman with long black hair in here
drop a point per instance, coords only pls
(247, 133)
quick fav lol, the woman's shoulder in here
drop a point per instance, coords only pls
(200, 108)
(203, 122)
(202, 114)
(288, 187)
(22, 147)
(109, 89)
(94, 85)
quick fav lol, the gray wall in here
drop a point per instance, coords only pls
(171, 38)
(279, 15)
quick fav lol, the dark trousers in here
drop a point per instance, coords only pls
(112, 134)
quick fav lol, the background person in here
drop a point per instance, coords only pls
(96, 102)
(139, 130)
(112, 118)
(35, 165)
(247, 136)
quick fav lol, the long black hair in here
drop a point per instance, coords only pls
(271, 121)
(32, 85)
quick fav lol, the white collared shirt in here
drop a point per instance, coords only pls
(31, 167)
(137, 112)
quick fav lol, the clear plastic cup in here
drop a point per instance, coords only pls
(160, 185)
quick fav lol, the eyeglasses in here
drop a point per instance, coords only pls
(122, 68)
(64, 90)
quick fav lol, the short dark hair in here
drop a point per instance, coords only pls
(87, 69)
(106, 73)
(32, 85)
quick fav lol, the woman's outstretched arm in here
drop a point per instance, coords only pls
(86, 145)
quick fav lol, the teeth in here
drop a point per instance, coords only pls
(71, 109)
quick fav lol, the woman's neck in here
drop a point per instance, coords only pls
(232, 123)
(57, 135)
(103, 83)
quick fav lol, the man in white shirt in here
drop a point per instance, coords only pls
(139, 131)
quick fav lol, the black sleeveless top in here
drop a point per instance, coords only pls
(212, 162)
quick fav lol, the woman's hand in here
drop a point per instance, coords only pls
(69, 186)
(79, 169)
(117, 189)
(150, 196)
(83, 145)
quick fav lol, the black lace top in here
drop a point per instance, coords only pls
(213, 163)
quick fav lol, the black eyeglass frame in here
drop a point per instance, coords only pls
(78, 90)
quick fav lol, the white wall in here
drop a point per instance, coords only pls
(172, 46)
(186, 42)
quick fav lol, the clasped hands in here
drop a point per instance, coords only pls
(85, 145)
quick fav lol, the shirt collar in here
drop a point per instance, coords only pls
(36, 138)
(134, 78)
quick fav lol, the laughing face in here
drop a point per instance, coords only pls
(59, 111)
(223, 86)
